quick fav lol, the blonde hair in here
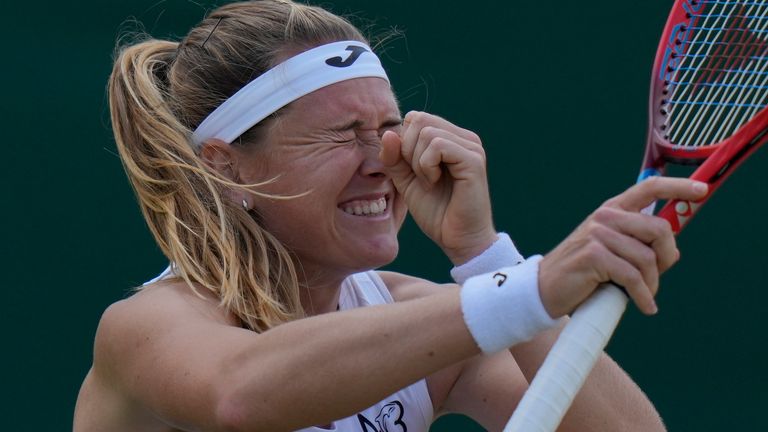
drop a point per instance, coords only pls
(159, 91)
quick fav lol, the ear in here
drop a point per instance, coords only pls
(222, 158)
(218, 156)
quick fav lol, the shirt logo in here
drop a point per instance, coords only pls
(338, 62)
(390, 419)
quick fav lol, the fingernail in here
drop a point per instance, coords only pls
(654, 308)
(700, 187)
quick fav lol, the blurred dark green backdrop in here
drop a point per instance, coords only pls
(556, 91)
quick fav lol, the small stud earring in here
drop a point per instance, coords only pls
(245, 205)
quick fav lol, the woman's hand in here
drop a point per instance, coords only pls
(618, 244)
(439, 169)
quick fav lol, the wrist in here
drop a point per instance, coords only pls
(499, 253)
(504, 307)
(478, 243)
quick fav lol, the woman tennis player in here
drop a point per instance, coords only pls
(274, 169)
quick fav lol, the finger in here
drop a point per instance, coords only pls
(421, 119)
(460, 162)
(415, 121)
(650, 230)
(641, 256)
(390, 148)
(396, 168)
(428, 137)
(643, 194)
(627, 276)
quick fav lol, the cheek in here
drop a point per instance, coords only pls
(288, 220)
(399, 211)
(322, 176)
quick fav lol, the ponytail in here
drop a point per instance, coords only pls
(213, 243)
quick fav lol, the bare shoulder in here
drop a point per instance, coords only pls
(132, 322)
(405, 287)
(130, 338)
(166, 299)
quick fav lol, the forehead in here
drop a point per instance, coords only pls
(369, 100)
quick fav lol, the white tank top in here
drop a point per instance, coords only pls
(408, 410)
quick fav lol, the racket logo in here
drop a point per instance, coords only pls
(684, 211)
(338, 62)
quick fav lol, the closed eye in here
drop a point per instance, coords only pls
(348, 141)
(343, 136)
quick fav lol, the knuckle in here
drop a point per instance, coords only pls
(648, 257)
(481, 151)
(415, 118)
(595, 230)
(428, 132)
(604, 214)
(474, 148)
(593, 252)
(472, 136)
(475, 160)
(651, 182)
(663, 227)
(612, 202)
(479, 158)
(633, 278)
(438, 143)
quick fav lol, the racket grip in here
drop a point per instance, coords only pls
(569, 362)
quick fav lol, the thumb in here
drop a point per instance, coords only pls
(390, 148)
(394, 164)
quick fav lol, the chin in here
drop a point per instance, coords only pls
(380, 256)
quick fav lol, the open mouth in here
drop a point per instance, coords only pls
(364, 207)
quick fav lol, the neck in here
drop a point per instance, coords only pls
(320, 293)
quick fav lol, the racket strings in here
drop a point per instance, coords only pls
(712, 99)
(742, 102)
(683, 99)
(721, 79)
(729, 54)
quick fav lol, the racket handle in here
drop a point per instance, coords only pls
(569, 362)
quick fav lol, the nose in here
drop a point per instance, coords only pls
(371, 166)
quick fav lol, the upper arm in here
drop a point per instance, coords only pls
(169, 355)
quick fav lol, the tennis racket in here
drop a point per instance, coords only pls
(708, 99)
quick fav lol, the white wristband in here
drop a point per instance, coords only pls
(502, 253)
(503, 308)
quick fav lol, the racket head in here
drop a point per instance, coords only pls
(709, 92)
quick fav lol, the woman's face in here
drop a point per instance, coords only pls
(326, 145)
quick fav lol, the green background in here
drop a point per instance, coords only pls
(558, 93)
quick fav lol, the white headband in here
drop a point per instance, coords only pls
(286, 82)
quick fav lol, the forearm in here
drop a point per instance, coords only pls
(336, 364)
(609, 399)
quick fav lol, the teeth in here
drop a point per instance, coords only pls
(360, 208)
